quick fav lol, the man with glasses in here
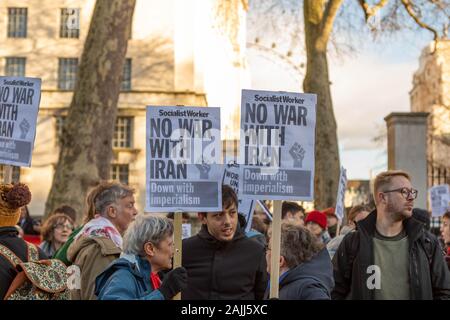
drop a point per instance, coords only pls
(391, 256)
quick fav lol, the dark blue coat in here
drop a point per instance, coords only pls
(126, 278)
(312, 280)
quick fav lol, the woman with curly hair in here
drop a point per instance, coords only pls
(306, 272)
(55, 232)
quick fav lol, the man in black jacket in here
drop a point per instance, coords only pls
(391, 255)
(222, 263)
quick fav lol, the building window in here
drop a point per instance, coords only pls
(15, 67)
(67, 73)
(59, 120)
(126, 76)
(15, 173)
(17, 22)
(120, 172)
(122, 132)
(70, 23)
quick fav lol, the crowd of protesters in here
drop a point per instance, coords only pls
(381, 252)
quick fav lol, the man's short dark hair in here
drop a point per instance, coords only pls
(290, 207)
(228, 197)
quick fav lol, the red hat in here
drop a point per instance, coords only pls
(317, 217)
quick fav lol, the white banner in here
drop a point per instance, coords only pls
(277, 145)
(440, 198)
(245, 206)
(340, 199)
(184, 170)
(19, 107)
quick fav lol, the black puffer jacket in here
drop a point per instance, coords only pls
(234, 270)
(312, 280)
(429, 276)
(10, 239)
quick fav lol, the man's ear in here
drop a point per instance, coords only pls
(288, 215)
(283, 262)
(381, 197)
(111, 212)
(202, 217)
(149, 249)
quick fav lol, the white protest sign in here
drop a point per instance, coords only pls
(186, 230)
(277, 145)
(440, 198)
(245, 206)
(19, 106)
(341, 194)
(184, 170)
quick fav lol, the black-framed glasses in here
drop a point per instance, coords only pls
(406, 193)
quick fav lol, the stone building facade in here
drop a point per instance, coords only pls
(179, 53)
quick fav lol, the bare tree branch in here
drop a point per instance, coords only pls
(370, 12)
(409, 8)
(327, 22)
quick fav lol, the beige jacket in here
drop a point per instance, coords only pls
(92, 256)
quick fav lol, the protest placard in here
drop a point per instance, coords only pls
(245, 206)
(184, 170)
(440, 198)
(19, 106)
(277, 145)
(340, 204)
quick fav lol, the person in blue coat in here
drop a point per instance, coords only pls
(148, 249)
(306, 271)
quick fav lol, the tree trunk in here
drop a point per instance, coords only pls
(316, 81)
(86, 148)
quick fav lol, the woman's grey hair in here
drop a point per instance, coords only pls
(110, 195)
(146, 228)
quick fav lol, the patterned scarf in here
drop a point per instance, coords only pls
(101, 227)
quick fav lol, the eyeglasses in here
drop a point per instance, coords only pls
(267, 248)
(61, 226)
(406, 193)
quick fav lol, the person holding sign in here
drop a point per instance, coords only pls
(222, 263)
(391, 256)
(306, 272)
(148, 248)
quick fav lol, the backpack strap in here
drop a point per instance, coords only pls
(9, 256)
(32, 252)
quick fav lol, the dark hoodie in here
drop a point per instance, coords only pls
(234, 270)
(312, 280)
